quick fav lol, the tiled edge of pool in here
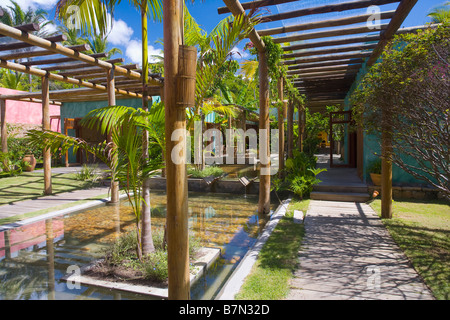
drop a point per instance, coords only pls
(45, 216)
(208, 257)
(235, 281)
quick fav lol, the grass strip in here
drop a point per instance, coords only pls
(269, 278)
(422, 230)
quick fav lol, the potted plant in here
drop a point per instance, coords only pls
(375, 171)
(29, 162)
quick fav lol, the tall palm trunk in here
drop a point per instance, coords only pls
(147, 240)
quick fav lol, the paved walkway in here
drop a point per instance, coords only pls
(47, 202)
(347, 253)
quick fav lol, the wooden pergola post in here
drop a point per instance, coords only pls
(301, 126)
(264, 179)
(290, 129)
(176, 178)
(3, 128)
(46, 126)
(111, 90)
(281, 111)
(386, 168)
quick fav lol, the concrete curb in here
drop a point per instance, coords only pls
(53, 214)
(236, 280)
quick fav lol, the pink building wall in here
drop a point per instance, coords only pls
(21, 112)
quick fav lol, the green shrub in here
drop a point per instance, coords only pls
(208, 171)
(153, 266)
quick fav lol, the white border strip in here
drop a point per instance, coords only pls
(236, 280)
(53, 214)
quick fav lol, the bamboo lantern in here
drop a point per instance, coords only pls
(187, 67)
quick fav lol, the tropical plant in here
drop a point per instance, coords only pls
(15, 15)
(405, 97)
(214, 50)
(93, 16)
(12, 80)
(99, 44)
(441, 14)
(123, 155)
(300, 174)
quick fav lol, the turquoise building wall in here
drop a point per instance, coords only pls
(80, 109)
(372, 149)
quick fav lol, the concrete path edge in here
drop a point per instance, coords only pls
(237, 278)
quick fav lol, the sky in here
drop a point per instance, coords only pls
(126, 31)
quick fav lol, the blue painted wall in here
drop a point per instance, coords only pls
(372, 146)
(80, 109)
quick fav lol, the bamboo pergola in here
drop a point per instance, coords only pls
(96, 79)
(323, 65)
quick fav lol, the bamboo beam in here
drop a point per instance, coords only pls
(40, 53)
(403, 9)
(59, 60)
(46, 126)
(328, 34)
(324, 24)
(386, 170)
(255, 4)
(177, 206)
(22, 45)
(30, 27)
(59, 49)
(93, 71)
(236, 9)
(360, 4)
(38, 72)
(69, 66)
(309, 53)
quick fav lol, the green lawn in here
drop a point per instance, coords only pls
(30, 185)
(422, 230)
(269, 278)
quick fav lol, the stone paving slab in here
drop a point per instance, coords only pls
(47, 202)
(348, 254)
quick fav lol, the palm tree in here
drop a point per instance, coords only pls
(14, 16)
(93, 16)
(99, 44)
(124, 154)
(73, 36)
(440, 14)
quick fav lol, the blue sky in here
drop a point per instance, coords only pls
(126, 30)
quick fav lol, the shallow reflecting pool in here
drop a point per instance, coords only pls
(34, 257)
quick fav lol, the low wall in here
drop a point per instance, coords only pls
(218, 186)
(419, 193)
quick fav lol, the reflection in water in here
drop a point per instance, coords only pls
(34, 257)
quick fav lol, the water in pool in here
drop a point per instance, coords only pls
(34, 257)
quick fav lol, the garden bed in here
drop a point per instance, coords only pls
(125, 279)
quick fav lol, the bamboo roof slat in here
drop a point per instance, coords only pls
(326, 64)
(69, 66)
(40, 53)
(331, 57)
(255, 4)
(338, 7)
(60, 60)
(324, 24)
(329, 34)
(308, 53)
(30, 27)
(22, 45)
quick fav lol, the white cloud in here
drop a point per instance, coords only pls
(120, 33)
(239, 54)
(34, 4)
(134, 52)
